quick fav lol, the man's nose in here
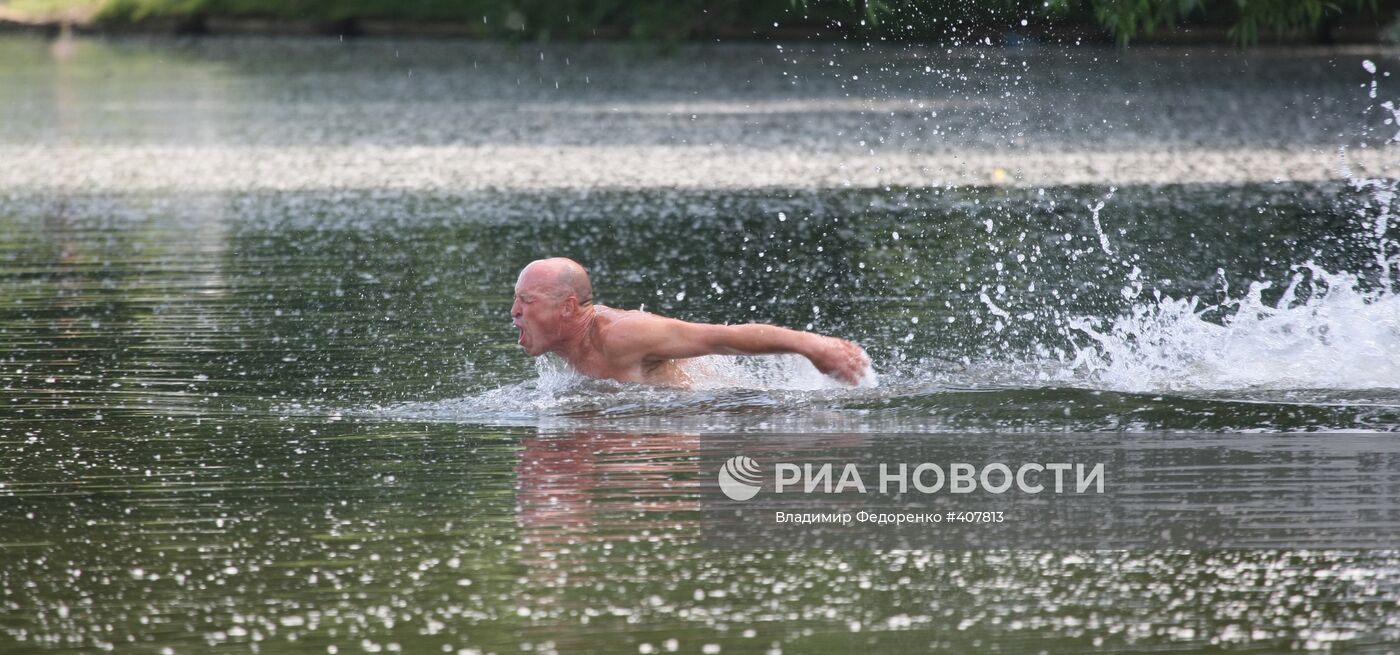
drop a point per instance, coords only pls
(515, 309)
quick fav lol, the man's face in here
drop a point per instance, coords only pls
(537, 314)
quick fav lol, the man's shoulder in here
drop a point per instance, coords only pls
(624, 323)
(629, 332)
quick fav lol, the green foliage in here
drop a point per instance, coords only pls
(675, 20)
(1284, 15)
(1127, 19)
(645, 19)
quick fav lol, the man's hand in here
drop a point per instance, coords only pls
(839, 358)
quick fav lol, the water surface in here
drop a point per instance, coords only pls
(243, 415)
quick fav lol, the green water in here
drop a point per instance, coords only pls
(295, 420)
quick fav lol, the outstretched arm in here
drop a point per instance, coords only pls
(658, 338)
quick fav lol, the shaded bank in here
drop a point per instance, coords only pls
(1008, 22)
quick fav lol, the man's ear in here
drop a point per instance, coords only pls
(570, 306)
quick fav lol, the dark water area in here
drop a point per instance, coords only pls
(304, 425)
(969, 301)
(243, 417)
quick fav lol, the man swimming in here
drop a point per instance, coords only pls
(554, 312)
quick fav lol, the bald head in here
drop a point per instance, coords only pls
(560, 277)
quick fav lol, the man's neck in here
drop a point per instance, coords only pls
(580, 338)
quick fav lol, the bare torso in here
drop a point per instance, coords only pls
(608, 358)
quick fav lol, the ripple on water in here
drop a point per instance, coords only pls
(935, 396)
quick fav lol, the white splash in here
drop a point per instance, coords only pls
(1327, 330)
(1094, 210)
(1341, 336)
(555, 388)
(767, 373)
(717, 384)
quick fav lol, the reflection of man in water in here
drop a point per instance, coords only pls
(587, 485)
(554, 312)
(569, 486)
